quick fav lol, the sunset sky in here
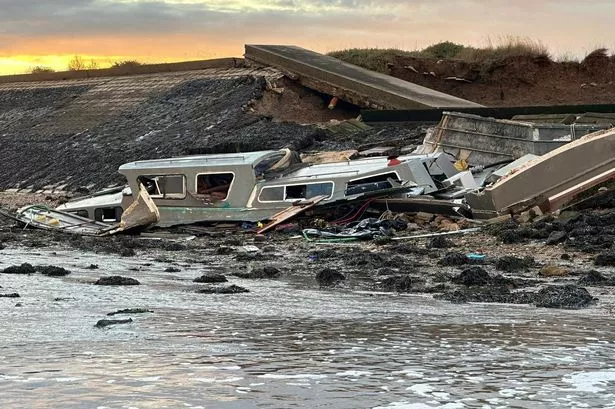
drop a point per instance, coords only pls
(49, 33)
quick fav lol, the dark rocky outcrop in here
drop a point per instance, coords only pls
(231, 289)
(211, 278)
(25, 268)
(130, 311)
(605, 259)
(472, 276)
(511, 264)
(329, 277)
(397, 283)
(106, 323)
(116, 280)
(595, 278)
(440, 242)
(260, 273)
(567, 296)
(52, 271)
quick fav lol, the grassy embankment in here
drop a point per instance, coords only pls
(377, 59)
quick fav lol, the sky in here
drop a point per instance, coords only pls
(50, 32)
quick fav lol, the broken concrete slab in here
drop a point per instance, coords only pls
(361, 87)
(485, 141)
(556, 176)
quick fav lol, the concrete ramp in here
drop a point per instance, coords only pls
(365, 88)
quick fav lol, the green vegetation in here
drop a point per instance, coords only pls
(374, 59)
(506, 47)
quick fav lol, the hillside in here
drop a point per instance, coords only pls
(514, 76)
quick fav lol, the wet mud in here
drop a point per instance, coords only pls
(482, 268)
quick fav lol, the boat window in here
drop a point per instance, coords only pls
(372, 183)
(271, 194)
(308, 191)
(164, 186)
(108, 214)
(216, 185)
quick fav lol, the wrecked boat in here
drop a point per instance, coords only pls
(140, 214)
(255, 186)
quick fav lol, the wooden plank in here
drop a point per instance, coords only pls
(291, 212)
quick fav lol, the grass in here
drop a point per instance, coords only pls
(495, 52)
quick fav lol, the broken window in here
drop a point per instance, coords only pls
(108, 214)
(372, 183)
(164, 186)
(295, 192)
(308, 191)
(271, 194)
(216, 185)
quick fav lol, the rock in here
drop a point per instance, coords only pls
(556, 237)
(398, 283)
(488, 294)
(12, 295)
(210, 278)
(260, 238)
(116, 280)
(267, 272)
(605, 259)
(172, 270)
(386, 271)
(596, 278)
(106, 323)
(472, 276)
(25, 268)
(52, 271)
(553, 271)
(566, 257)
(222, 250)
(127, 252)
(567, 296)
(511, 264)
(231, 289)
(329, 277)
(92, 267)
(456, 259)
(130, 311)
(440, 242)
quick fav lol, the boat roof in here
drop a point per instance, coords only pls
(348, 169)
(221, 159)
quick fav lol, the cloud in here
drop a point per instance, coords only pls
(184, 28)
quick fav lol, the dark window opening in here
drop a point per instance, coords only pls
(372, 183)
(216, 185)
(309, 191)
(164, 186)
(271, 194)
(108, 214)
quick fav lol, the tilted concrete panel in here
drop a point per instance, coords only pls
(354, 84)
(547, 176)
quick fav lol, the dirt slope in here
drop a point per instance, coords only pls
(514, 81)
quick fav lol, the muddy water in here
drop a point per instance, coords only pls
(285, 344)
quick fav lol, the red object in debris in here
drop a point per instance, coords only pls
(393, 161)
